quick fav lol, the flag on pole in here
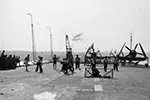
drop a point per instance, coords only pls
(77, 37)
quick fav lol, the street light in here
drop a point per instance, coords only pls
(131, 40)
(33, 41)
(51, 42)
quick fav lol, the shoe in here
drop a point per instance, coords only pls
(27, 71)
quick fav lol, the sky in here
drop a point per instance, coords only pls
(106, 23)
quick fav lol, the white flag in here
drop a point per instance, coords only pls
(77, 37)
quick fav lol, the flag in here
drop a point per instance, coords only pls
(77, 37)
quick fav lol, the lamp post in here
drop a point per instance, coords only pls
(131, 40)
(33, 40)
(51, 47)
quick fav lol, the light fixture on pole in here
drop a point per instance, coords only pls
(131, 40)
(33, 40)
(51, 47)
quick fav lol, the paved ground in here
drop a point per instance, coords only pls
(129, 84)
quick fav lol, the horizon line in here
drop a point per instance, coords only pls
(46, 51)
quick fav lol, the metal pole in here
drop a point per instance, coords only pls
(51, 47)
(131, 41)
(3, 45)
(33, 41)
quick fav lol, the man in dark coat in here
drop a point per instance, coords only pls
(55, 62)
(26, 61)
(77, 62)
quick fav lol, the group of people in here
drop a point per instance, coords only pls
(115, 63)
(8, 61)
(67, 64)
(39, 63)
(95, 71)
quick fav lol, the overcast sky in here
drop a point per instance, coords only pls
(107, 23)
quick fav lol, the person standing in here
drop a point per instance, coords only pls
(55, 62)
(64, 68)
(77, 62)
(13, 62)
(116, 61)
(18, 61)
(93, 67)
(105, 64)
(39, 64)
(26, 62)
(3, 60)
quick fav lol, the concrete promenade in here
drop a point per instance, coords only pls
(128, 84)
